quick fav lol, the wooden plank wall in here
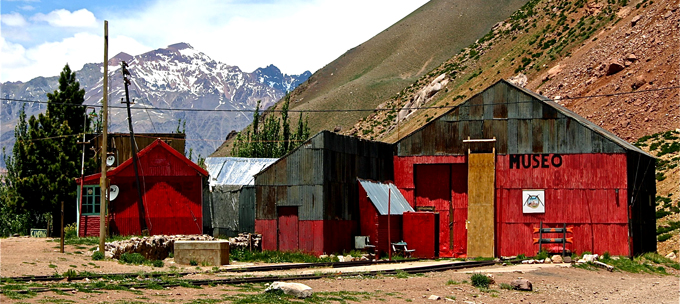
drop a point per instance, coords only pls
(520, 123)
(481, 229)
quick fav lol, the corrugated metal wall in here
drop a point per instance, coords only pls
(520, 123)
(172, 193)
(246, 215)
(320, 178)
(225, 210)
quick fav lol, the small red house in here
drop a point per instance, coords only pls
(171, 187)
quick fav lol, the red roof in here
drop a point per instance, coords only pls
(158, 144)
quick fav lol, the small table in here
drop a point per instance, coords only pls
(400, 248)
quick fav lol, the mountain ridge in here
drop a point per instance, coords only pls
(178, 77)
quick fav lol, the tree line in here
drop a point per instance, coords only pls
(270, 136)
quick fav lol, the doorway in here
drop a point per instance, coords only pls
(288, 230)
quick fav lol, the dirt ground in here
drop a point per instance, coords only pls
(557, 283)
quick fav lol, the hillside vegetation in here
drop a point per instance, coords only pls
(666, 147)
(623, 51)
(381, 67)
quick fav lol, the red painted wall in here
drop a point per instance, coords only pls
(288, 232)
(375, 226)
(267, 228)
(581, 192)
(89, 225)
(172, 206)
(171, 189)
(338, 235)
(441, 179)
(315, 237)
(420, 233)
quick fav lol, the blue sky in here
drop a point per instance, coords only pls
(37, 37)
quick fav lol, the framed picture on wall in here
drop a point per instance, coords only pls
(533, 201)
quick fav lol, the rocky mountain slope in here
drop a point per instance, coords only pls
(393, 59)
(177, 77)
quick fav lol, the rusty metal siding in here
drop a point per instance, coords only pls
(320, 177)
(521, 121)
(246, 214)
(119, 143)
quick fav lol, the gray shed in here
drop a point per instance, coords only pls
(229, 202)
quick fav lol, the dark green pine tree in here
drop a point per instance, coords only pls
(46, 158)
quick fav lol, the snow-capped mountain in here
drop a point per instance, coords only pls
(176, 77)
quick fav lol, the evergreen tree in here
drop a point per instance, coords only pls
(46, 158)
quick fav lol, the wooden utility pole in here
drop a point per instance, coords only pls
(61, 243)
(105, 122)
(133, 149)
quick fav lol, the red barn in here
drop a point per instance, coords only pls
(172, 190)
(506, 160)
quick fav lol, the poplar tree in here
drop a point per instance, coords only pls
(272, 137)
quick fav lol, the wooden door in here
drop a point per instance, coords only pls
(288, 233)
(481, 183)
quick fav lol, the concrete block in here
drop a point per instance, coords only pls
(214, 253)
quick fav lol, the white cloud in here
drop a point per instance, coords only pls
(49, 58)
(13, 19)
(64, 18)
(294, 35)
(27, 8)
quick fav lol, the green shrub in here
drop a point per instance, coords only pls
(132, 258)
(542, 255)
(506, 286)
(157, 263)
(98, 255)
(193, 263)
(664, 237)
(480, 280)
(661, 213)
(70, 231)
(71, 273)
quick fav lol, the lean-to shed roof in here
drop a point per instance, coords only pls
(380, 197)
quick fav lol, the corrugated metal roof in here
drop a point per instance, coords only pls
(235, 170)
(378, 193)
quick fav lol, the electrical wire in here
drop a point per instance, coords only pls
(346, 110)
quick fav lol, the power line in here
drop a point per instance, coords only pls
(340, 110)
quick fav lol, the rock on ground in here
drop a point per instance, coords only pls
(521, 284)
(294, 289)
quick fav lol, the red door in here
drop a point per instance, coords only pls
(459, 198)
(288, 228)
(433, 189)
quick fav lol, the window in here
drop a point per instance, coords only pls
(91, 200)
